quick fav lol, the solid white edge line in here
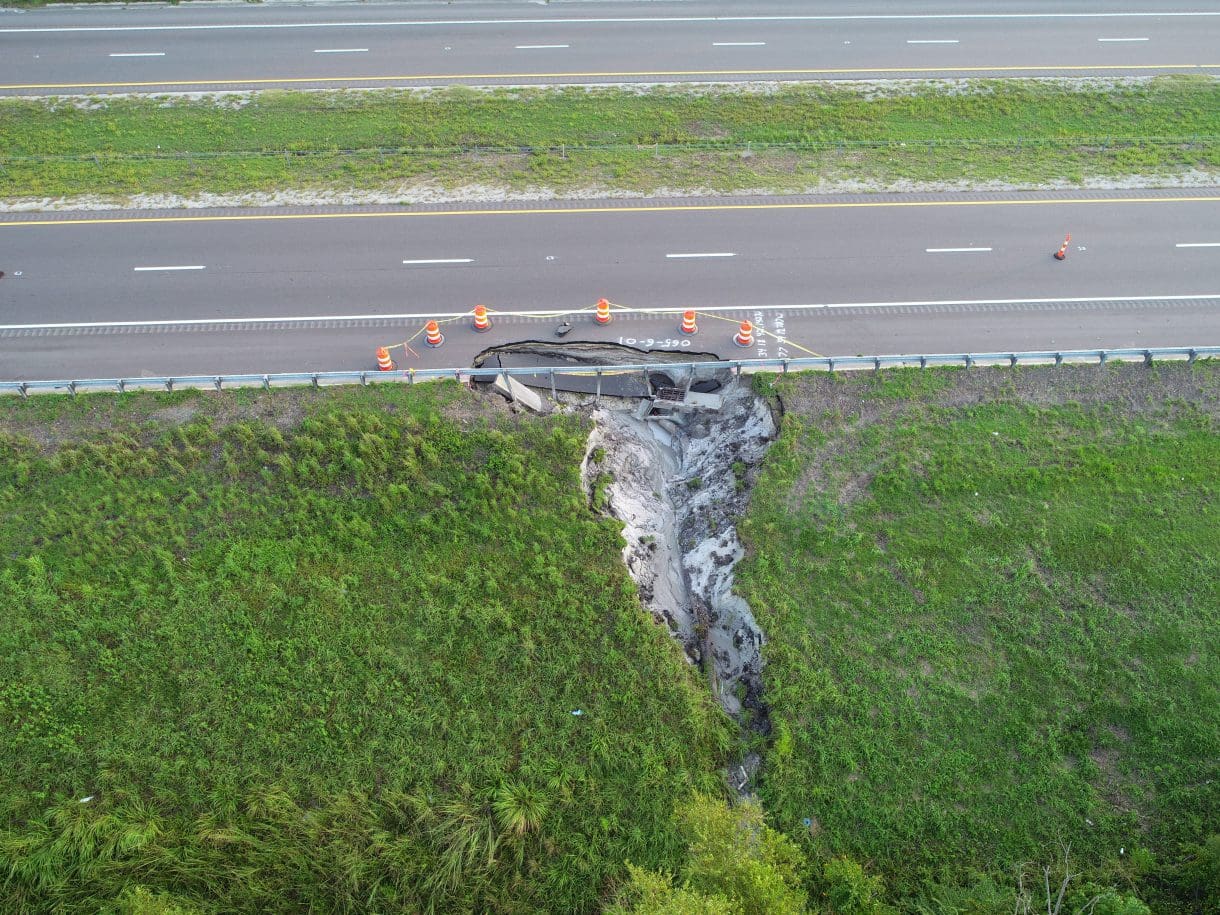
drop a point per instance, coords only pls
(340, 50)
(703, 254)
(443, 260)
(139, 54)
(539, 47)
(932, 41)
(1198, 244)
(951, 250)
(188, 267)
(301, 319)
(738, 44)
(611, 20)
(1122, 39)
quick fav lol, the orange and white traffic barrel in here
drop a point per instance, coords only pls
(603, 312)
(745, 334)
(482, 323)
(432, 334)
(688, 323)
(384, 362)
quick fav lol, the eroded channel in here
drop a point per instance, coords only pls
(675, 460)
(679, 478)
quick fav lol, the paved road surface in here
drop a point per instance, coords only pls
(106, 294)
(233, 46)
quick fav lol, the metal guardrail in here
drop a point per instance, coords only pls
(738, 366)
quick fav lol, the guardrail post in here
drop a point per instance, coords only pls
(266, 382)
(411, 375)
(169, 385)
(217, 382)
(554, 396)
(25, 391)
(1192, 356)
(1012, 360)
(1101, 357)
(1058, 359)
(598, 398)
(923, 362)
(122, 385)
(830, 366)
(364, 379)
(876, 363)
(511, 398)
(784, 369)
(314, 378)
(1147, 357)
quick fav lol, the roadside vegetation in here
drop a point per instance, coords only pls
(722, 139)
(348, 650)
(992, 606)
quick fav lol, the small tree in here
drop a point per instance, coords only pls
(735, 864)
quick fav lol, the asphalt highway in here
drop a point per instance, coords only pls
(106, 294)
(231, 46)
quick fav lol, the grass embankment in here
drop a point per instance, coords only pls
(992, 602)
(788, 140)
(348, 650)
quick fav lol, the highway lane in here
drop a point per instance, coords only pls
(336, 345)
(255, 46)
(342, 273)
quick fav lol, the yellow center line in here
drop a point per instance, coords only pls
(609, 74)
(664, 208)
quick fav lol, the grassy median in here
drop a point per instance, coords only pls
(992, 603)
(788, 139)
(366, 650)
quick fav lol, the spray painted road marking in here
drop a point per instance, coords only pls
(147, 269)
(443, 260)
(952, 250)
(139, 54)
(704, 254)
(546, 315)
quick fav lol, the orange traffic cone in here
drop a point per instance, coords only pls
(1063, 248)
(688, 323)
(482, 323)
(745, 335)
(603, 312)
(432, 334)
(384, 362)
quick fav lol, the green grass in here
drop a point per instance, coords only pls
(992, 602)
(322, 651)
(787, 140)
